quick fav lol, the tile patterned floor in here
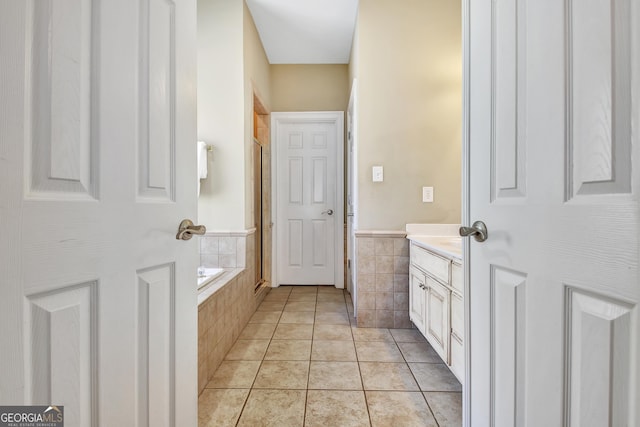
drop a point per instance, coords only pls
(300, 362)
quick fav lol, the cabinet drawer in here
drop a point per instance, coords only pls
(457, 358)
(457, 315)
(437, 266)
(457, 278)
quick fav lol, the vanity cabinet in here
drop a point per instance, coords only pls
(436, 304)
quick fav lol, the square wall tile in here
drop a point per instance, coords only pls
(401, 265)
(384, 301)
(366, 265)
(366, 246)
(366, 283)
(209, 245)
(227, 245)
(384, 245)
(384, 282)
(401, 247)
(384, 264)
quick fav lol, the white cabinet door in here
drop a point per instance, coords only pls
(554, 157)
(98, 307)
(437, 317)
(417, 298)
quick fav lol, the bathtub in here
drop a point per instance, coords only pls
(207, 275)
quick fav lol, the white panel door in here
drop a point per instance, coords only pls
(553, 141)
(309, 198)
(97, 169)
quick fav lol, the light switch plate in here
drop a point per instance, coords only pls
(427, 194)
(378, 174)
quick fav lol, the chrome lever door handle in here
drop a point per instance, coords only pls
(187, 229)
(478, 230)
(328, 212)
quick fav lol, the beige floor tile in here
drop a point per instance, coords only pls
(276, 297)
(265, 317)
(435, 377)
(289, 350)
(332, 332)
(419, 352)
(336, 351)
(407, 335)
(220, 408)
(378, 351)
(399, 408)
(235, 374)
(274, 408)
(248, 350)
(331, 318)
(306, 317)
(304, 289)
(282, 290)
(446, 407)
(300, 306)
(302, 297)
(258, 331)
(328, 289)
(277, 374)
(271, 306)
(330, 297)
(371, 334)
(293, 331)
(334, 376)
(387, 376)
(336, 408)
(335, 307)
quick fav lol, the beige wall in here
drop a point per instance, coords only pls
(231, 64)
(256, 79)
(315, 87)
(407, 58)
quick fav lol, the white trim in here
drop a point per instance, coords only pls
(466, 43)
(338, 118)
(381, 233)
(230, 233)
(352, 112)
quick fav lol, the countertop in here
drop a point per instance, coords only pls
(449, 246)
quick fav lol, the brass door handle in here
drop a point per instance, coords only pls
(187, 229)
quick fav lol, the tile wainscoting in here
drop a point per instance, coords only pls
(382, 278)
(223, 315)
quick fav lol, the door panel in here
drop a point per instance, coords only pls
(98, 298)
(551, 150)
(309, 210)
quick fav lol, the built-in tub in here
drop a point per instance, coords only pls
(206, 275)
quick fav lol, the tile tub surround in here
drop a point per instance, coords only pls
(224, 249)
(225, 313)
(382, 277)
(351, 377)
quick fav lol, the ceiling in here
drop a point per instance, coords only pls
(305, 31)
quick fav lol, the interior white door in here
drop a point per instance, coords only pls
(97, 169)
(309, 193)
(553, 141)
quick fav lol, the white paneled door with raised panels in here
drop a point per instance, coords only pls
(308, 192)
(97, 169)
(554, 116)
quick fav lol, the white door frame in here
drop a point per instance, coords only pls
(466, 218)
(336, 117)
(352, 171)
